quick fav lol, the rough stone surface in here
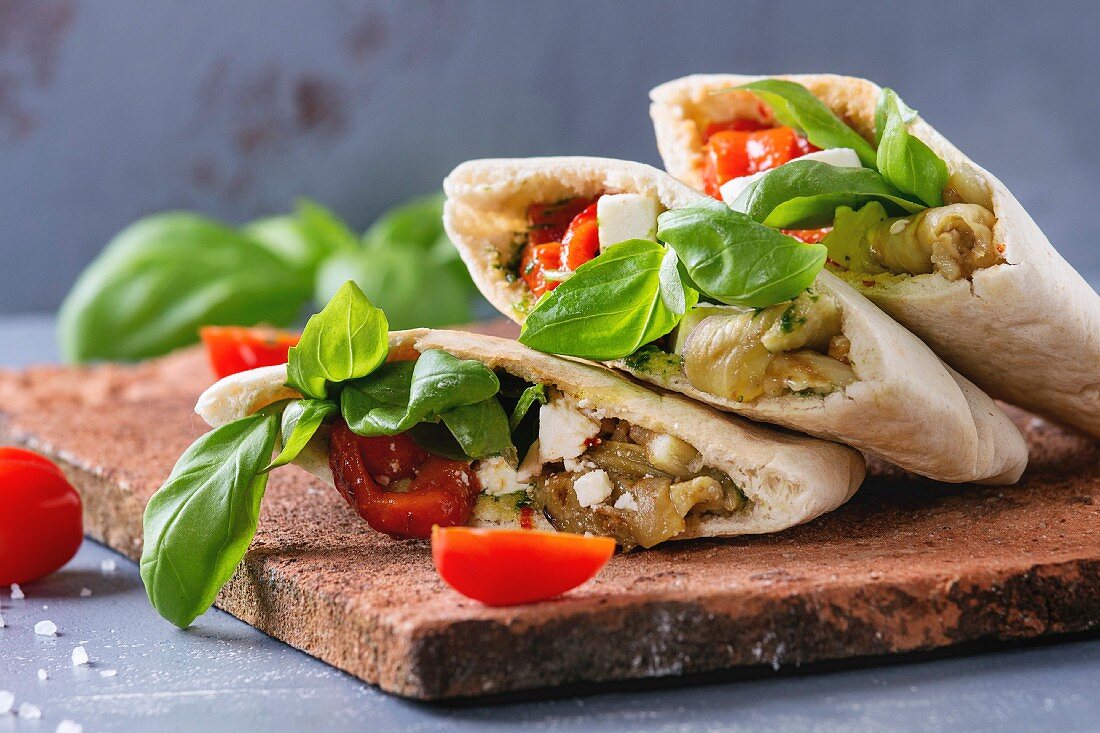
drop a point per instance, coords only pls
(907, 565)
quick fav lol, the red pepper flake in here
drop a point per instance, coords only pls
(1000, 249)
(868, 283)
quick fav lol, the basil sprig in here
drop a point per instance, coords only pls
(613, 304)
(200, 522)
(806, 193)
(795, 106)
(902, 158)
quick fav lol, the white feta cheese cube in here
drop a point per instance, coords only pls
(840, 157)
(497, 477)
(592, 488)
(627, 502)
(623, 216)
(563, 431)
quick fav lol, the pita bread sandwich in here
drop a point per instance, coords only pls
(909, 221)
(619, 262)
(423, 428)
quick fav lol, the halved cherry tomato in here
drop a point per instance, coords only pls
(506, 567)
(442, 492)
(548, 222)
(739, 125)
(809, 236)
(392, 456)
(581, 241)
(235, 349)
(41, 521)
(735, 153)
(537, 259)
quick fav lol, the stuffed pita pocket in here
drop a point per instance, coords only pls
(729, 312)
(925, 233)
(423, 428)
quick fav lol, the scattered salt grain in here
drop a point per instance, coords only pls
(108, 566)
(108, 673)
(80, 656)
(45, 628)
(27, 711)
(7, 702)
(69, 726)
(43, 675)
(85, 592)
(16, 592)
(2, 623)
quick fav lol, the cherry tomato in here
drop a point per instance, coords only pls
(735, 153)
(739, 125)
(537, 259)
(809, 236)
(235, 349)
(442, 492)
(41, 521)
(505, 567)
(581, 241)
(392, 456)
(548, 222)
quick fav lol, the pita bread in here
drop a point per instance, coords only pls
(1027, 331)
(788, 479)
(907, 407)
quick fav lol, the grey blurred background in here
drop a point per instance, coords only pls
(113, 110)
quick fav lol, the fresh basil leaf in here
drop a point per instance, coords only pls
(805, 193)
(437, 382)
(437, 440)
(903, 159)
(324, 230)
(794, 105)
(846, 241)
(531, 395)
(164, 276)
(348, 339)
(735, 260)
(417, 223)
(611, 305)
(481, 429)
(200, 522)
(300, 421)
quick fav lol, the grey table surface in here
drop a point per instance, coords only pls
(222, 674)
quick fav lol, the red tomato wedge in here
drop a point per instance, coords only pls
(537, 259)
(548, 222)
(41, 520)
(235, 349)
(581, 241)
(507, 567)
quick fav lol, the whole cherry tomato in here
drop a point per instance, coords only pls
(41, 519)
(235, 349)
(505, 567)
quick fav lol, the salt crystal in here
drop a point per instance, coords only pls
(29, 711)
(7, 702)
(79, 656)
(69, 726)
(16, 592)
(108, 673)
(2, 624)
(108, 566)
(45, 628)
(85, 592)
(43, 675)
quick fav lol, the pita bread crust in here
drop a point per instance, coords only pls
(904, 391)
(1027, 332)
(789, 479)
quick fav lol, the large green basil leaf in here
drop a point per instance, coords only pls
(348, 339)
(794, 105)
(306, 239)
(200, 522)
(300, 421)
(805, 193)
(481, 429)
(611, 306)
(735, 260)
(164, 276)
(903, 159)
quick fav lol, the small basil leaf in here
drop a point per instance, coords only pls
(377, 404)
(794, 105)
(325, 231)
(481, 428)
(735, 260)
(348, 339)
(162, 277)
(300, 421)
(531, 395)
(805, 193)
(200, 522)
(903, 159)
(611, 306)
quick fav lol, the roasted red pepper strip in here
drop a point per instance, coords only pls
(537, 260)
(442, 492)
(809, 236)
(548, 222)
(581, 241)
(734, 153)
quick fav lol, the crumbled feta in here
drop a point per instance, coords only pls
(7, 701)
(497, 477)
(16, 592)
(899, 226)
(45, 628)
(69, 726)
(43, 675)
(627, 501)
(563, 432)
(27, 711)
(840, 157)
(592, 488)
(623, 216)
(79, 656)
(530, 466)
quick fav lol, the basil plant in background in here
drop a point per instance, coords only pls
(164, 276)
